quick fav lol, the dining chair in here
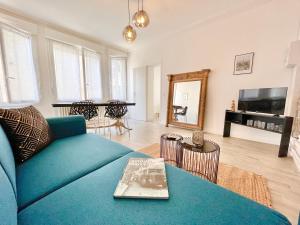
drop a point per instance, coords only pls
(116, 110)
(94, 116)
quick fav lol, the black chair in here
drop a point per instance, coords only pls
(179, 111)
(85, 108)
(116, 109)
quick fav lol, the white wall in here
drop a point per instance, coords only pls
(293, 61)
(42, 54)
(266, 30)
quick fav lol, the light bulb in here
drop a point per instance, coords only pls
(129, 33)
(141, 19)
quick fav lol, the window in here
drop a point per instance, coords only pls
(118, 78)
(77, 72)
(17, 71)
(67, 72)
(93, 82)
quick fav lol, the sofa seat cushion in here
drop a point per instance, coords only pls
(62, 162)
(89, 200)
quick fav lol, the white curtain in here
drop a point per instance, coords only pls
(118, 78)
(3, 89)
(20, 71)
(67, 72)
(93, 76)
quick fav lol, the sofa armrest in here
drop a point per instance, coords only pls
(62, 127)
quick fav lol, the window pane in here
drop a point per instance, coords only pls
(67, 72)
(92, 75)
(21, 76)
(118, 78)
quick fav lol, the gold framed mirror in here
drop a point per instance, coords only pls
(186, 101)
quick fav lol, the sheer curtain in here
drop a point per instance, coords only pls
(20, 71)
(67, 72)
(3, 88)
(93, 84)
(118, 78)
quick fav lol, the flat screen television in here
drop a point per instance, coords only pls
(263, 100)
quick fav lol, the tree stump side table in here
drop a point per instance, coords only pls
(203, 161)
(170, 149)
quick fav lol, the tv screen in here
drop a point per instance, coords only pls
(264, 100)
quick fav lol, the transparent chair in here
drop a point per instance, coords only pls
(94, 116)
(116, 110)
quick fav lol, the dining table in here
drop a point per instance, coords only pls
(64, 110)
(98, 104)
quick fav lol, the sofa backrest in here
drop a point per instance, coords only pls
(8, 203)
(7, 159)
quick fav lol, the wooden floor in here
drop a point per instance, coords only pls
(281, 173)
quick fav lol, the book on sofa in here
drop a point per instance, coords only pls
(143, 178)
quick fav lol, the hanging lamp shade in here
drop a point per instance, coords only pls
(129, 33)
(141, 19)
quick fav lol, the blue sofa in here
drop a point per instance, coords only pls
(72, 181)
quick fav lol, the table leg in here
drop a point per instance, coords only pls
(119, 125)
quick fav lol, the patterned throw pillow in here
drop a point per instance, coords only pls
(27, 130)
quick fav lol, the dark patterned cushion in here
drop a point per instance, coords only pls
(27, 130)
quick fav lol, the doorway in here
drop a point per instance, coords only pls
(154, 93)
(146, 83)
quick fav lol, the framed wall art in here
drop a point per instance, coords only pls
(243, 63)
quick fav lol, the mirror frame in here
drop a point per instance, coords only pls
(184, 77)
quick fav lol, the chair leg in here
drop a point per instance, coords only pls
(127, 125)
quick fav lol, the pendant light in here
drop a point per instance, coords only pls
(141, 18)
(129, 33)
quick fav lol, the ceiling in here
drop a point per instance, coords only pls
(104, 20)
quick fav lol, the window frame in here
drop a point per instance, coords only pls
(126, 75)
(5, 77)
(81, 49)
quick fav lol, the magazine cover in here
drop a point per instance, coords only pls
(143, 178)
